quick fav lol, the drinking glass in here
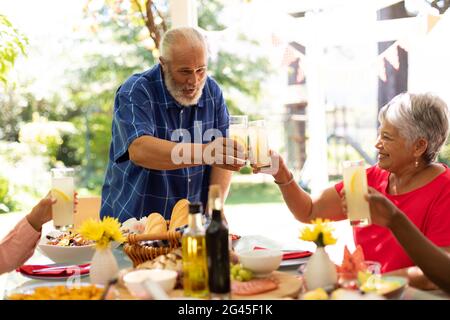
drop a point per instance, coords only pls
(63, 188)
(238, 131)
(355, 184)
(259, 144)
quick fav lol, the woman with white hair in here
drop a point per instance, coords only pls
(413, 128)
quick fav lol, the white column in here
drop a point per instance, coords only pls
(183, 13)
(317, 142)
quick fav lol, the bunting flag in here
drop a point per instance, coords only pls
(431, 22)
(381, 70)
(300, 73)
(391, 53)
(276, 41)
(391, 56)
(290, 55)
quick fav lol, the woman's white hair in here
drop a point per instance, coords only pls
(419, 116)
(175, 35)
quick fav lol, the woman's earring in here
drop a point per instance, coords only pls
(416, 163)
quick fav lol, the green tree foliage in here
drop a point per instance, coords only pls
(12, 44)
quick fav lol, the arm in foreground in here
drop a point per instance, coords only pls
(432, 260)
(18, 246)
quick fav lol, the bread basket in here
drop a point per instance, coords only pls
(144, 247)
(163, 235)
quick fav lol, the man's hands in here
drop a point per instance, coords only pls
(225, 153)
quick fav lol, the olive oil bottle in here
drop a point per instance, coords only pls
(217, 248)
(195, 266)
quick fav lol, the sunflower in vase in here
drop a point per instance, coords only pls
(320, 270)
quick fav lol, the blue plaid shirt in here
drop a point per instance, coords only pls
(143, 106)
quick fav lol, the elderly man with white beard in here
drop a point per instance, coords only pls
(169, 134)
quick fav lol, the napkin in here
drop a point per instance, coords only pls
(52, 270)
(292, 254)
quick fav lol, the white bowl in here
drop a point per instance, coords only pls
(134, 281)
(261, 262)
(61, 254)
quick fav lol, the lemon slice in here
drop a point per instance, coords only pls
(60, 195)
(355, 181)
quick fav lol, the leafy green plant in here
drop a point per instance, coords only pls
(6, 203)
(12, 44)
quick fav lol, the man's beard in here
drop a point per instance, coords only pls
(177, 90)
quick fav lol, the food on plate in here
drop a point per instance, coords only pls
(169, 261)
(90, 292)
(239, 273)
(378, 285)
(252, 287)
(352, 264)
(67, 239)
(316, 294)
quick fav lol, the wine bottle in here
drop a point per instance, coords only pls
(217, 248)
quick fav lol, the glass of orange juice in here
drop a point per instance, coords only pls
(355, 184)
(63, 188)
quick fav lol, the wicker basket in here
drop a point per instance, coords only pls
(139, 253)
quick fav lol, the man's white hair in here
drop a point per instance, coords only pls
(175, 35)
(419, 116)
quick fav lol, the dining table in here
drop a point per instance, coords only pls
(14, 281)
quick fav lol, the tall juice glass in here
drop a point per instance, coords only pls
(259, 144)
(355, 184)
(238, 131)
(63, 188)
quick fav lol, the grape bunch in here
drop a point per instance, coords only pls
(239, 273)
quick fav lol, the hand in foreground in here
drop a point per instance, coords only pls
(41, 213)
(225, 153)
(382, 210)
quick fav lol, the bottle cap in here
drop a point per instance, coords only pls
(195, 207)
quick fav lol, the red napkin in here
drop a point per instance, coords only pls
(291, 255)
(62, 271)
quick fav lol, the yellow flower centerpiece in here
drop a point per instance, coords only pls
(321, 233)
(320, 270)
(104, 266)
(102, 232)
